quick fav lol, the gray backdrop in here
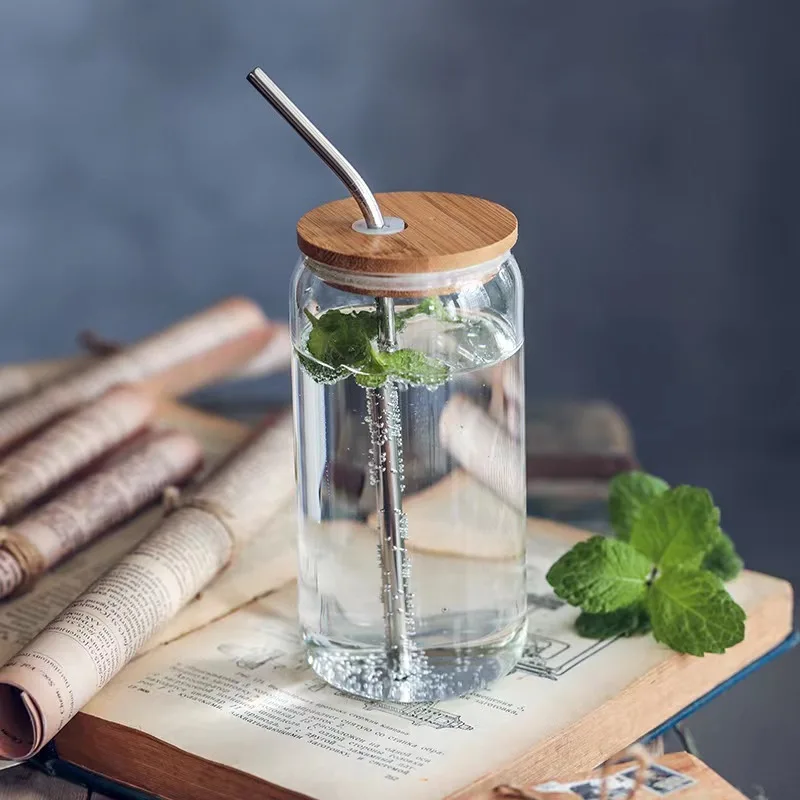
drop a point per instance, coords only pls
(649, 150)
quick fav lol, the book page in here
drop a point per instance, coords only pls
(185, 356)
(239, 692)
(71, 444)
(56, 674)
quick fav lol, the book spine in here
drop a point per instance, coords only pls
(49, 762)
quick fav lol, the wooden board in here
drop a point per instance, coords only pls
(678, 775)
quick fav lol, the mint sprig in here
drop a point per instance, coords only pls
(664, 571)
(342, 343)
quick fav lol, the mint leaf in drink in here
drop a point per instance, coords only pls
(677, 527)
(601, 575)
(430, 307)
(341, 343)
(722, 559)
(320, 372)
(339, 339)
(366, 320)
(692, 612)
(370, 380)
(411, 366)
(414, 367)
(434, 307)
(628, 621)
(628, 494)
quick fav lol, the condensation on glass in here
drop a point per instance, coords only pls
(453, 617)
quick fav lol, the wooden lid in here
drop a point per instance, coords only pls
(443, 232)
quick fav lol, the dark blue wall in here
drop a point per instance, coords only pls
(649, 149)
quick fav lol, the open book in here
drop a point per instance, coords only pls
(68, 635)
(231, 710)
(220, 703)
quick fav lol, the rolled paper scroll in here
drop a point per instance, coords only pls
(181, 358)
(275, 356)
(71, 444)
(93, 506)
(485, 449)
(50, 679)
(20, 380)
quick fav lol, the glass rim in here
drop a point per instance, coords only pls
(414, 283)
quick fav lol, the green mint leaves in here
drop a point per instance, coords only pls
(627, 621)
(664, 570)
(413, 367)
(601, 575)
(723, 560)
(342, 343)
(677, 528)
(628, 496)
(692, 612)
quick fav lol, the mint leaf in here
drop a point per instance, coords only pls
(434, 307)
(321, 373)
(430, 307)
(692, 612)
(628, 494)
(600, 575)
(722, 559)
(414, 367)
(339, 339)
(340, 343)
(677, 527)
(627, 621)
(371, 381)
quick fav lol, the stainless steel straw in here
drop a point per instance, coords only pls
(383, 402)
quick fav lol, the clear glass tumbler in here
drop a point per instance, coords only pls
(411, 477)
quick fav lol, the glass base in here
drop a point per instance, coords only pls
(417, 675)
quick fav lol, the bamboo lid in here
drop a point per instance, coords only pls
(442, 232)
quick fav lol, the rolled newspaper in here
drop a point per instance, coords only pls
(19, 380)
(50, 679)
(181, 358)
(93, 506)
(484, 448)
(71, 444)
